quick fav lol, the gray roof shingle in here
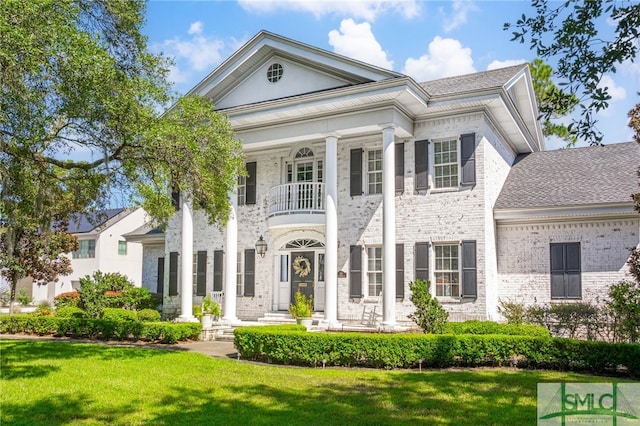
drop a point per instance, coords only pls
(469, 82)
(572, 177)
(87, 222)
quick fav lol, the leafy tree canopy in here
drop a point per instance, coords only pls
(553, 102)
(567, 32)
(77, 79)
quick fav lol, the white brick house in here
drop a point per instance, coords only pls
(362, 180)
(102, 247)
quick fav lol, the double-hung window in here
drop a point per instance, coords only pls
(447, 270)
(122, 248)
(240, 274)
(242, 190)
(445, 163)
(374, 270)
(374, 171)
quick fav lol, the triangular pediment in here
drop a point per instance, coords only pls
(270, 67)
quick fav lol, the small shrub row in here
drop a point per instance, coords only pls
(490, 327)
(94, 328)
(298, 347)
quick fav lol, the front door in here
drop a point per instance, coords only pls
(302, 273)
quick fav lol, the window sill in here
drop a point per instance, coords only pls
(443, 190)
(448, 299)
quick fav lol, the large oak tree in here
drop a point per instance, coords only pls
(77, 81)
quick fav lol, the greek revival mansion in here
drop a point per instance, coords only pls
(361, 180)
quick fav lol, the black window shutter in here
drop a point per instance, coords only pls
(422, 261)
(250, 272)
(201, 274)
(422, 165)
(399, 159)
(355, 271)
(160, 282)
(565, 271)
(173, 273)
(251, 183)
(175, 198)
(468, 158)
(217, 270)
(356, 172)
(399, 271)
(469, 270)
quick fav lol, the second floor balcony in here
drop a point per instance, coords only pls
(299, 203)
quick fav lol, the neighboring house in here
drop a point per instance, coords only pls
(103, 247)
(361, 180)
(152, 241)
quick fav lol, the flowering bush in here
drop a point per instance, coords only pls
(70, 298)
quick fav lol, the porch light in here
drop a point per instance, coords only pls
(261, 246)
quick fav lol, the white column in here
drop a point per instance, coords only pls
(230, 262)
(331, 233)
(388, 228)
(186, 259)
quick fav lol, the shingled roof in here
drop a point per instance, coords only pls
(572, 177)
(87, 222)
(470, 82)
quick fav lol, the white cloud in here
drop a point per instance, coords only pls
(503, 64)
(616, 92)
(195, 28)
(358, 42)
(196, 53)
(368, 10)
(447, 57)
(458, 15)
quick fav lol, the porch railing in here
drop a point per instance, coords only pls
(299, 197)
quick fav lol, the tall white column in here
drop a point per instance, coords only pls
(388, 228)
(230, 262)
(186, 253)
(331, 233)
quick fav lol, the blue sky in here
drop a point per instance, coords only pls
(423, 39)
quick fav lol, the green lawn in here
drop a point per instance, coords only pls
(50, 383)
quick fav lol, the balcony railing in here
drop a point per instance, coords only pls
(295, 198)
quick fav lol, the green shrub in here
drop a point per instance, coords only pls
(291, 346)
(513, 312)
(210, 307)
(302, 306)
(148, 315)
(102, 290)
(429, 314)
(119, 314)
(70, 312)
(490, 327)
(624, 306)
(43, 309)
(94, 328)
(23, 298)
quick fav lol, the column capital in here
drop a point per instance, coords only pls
(328, 135)
(388, 126)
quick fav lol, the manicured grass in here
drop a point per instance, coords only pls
(49, 383)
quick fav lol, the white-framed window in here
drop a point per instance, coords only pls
(374, 271)
(194, 281)
(374, 171)
(86, 250)
(240, 274)
(447, 269)
(445, 163)
(242, 190)
(122, 248)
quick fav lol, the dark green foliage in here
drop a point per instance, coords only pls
(119, 314)
(70, 298)
(490, 327)
(298, 347)
(70, 312)
(624, 306)
(569, 33)
(148, 315)
(429, 314)
(94, 328)
(101, 290)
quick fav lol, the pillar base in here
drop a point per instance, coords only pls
(330, 325)
(186, 318)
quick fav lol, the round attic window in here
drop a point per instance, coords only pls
(274, 73)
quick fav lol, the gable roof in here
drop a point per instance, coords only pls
(89, 222)
(576, 178)
(460, 84)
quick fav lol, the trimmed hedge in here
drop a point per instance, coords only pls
(298, 347)
(100, 328)
(490, 327)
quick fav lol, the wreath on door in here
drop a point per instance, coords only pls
(302, 266)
